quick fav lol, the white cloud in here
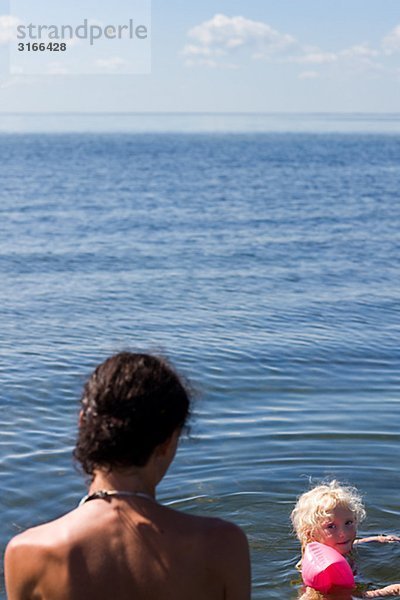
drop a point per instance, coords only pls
(391, 43)
(359, 57)
(19, 78)
(223, 35)
(10, 83)
(222, 40)
(315, 58)
(359, 51)
(192, 50)
(308, 75)
(56, 68)
(8, 28)
(205, 62)
(111, 64)
(16, 70)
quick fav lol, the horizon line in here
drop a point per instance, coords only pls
(197, 113)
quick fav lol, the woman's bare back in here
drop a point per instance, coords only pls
(135, 549)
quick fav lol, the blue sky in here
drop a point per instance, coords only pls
(222, 56)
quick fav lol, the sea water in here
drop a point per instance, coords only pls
(264, 264)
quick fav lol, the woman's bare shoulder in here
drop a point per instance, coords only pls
(218, 533)
(42, 536)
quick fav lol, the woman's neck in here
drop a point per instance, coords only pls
(132, 480)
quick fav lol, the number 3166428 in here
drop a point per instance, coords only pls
(42, 47)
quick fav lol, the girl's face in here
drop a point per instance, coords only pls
(338, 530)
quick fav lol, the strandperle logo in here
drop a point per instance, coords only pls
(84, 31)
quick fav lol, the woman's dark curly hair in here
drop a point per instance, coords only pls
(130, 404)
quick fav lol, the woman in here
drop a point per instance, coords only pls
(120, 542)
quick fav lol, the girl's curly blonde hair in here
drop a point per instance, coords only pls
(317, 504)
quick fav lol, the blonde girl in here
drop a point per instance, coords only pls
(330, 513)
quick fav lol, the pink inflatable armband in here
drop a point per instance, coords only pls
(323, 567)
